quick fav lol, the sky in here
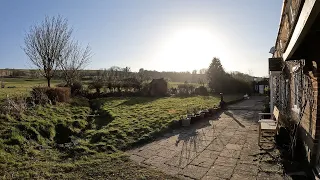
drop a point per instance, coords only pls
(162, 35)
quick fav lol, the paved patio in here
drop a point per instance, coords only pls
(221, 147)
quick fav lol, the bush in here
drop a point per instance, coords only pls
(60, 94)
(173, 90)
(41, 95)
(145, 89)
(14, 106)
(76, 88)
(201, 90)
(61, 85)
(96, 85)
(186, 89)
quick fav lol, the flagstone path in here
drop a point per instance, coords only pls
(218, 148)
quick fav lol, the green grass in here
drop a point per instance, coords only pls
(98, 166)
(176, 84)
(22, 86)
(29, 149)
(138, 118)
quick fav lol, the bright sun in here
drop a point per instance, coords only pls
(188, 49)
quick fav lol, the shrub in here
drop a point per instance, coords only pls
(201, 90)
(158, 87)
(14, 106)
(41, 95)
(96, 85)
(61, 85)
(145, 89)
(173, 90)
(76, 87)
(61, 94)
(185, 89)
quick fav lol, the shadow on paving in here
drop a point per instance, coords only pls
(224, 146)
(235, 119)
(273, 155)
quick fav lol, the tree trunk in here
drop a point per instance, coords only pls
(48, 80)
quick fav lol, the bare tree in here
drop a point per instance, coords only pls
(73, 59)
(45, 43)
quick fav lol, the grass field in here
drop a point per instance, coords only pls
(176, 84)
(30, 144)
(21, 86)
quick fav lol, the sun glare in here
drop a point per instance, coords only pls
(188, 49)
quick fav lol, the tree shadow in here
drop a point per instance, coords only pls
(194, 140)
(236, 120)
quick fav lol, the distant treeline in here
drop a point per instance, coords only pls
(195, 76)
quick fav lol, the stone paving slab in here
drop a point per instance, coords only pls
(171, 170)
(204, 161)
(247, 169)
(195, 172)
(224, 147)
(230, 153)
(221, 171)
(236, 176)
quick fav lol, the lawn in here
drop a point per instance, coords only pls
(138, 118)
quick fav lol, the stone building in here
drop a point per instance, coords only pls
(294, 72)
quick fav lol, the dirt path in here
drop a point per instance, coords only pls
(222, 147)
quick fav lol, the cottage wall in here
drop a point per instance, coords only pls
(310, 121)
